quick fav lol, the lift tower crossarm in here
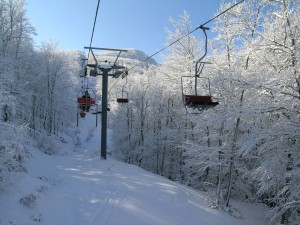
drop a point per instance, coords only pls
(106, 49)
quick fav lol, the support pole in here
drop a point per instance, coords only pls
(104, 112)
(97, 110)
(105, 69)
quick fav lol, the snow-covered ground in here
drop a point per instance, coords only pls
(76, 187)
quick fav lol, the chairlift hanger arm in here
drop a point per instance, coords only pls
(124, 84)
(200, 65)
(204, 29)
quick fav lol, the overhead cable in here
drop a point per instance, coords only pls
(200, 26)
(95, 20)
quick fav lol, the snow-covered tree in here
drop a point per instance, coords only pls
(15, 51)
(261, 63)
(37, 88)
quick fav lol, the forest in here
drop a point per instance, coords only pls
(246, 148)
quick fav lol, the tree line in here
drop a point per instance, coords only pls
(37, 87)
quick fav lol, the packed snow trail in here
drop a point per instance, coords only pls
(78, 188)
(83, 189)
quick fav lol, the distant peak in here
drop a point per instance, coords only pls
(131, 53)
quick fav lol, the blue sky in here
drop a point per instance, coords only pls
(138, 24)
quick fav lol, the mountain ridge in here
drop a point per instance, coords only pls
(129, 57)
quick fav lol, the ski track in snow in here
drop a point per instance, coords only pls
(115, 199)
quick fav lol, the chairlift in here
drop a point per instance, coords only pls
(86, 102)
(122, 96)
(196, 92)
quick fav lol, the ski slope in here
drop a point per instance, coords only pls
(76, 187)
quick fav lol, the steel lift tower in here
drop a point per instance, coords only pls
(105, 69)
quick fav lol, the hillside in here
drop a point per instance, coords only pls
(130, 54)
(76, 187)
(131, 58)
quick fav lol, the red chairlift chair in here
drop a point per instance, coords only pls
(86, 98)
(122, 96)
(198, 100)
(85, 102)
(195, 98)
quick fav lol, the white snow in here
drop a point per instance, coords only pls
(76, 187)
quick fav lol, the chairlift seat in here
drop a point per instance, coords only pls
(86, 101)
(122, 100)
(198, 100)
